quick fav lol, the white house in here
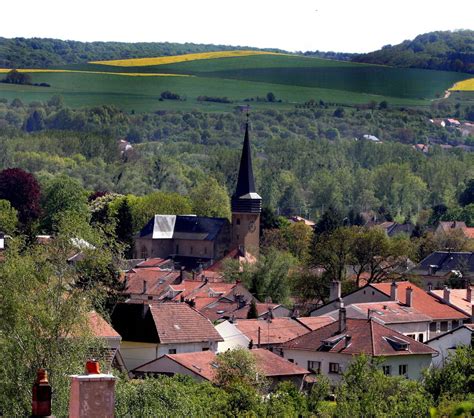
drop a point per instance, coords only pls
(447, 343)
(330, 349)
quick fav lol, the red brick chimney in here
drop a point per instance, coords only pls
(409, 296)
(446, 294)
(92, 394)
(394, 291)
(41, 405)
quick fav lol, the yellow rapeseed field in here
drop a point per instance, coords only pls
(465, 85)
(45, 70)
(143, 62)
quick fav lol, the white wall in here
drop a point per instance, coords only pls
(446, 344)
(415, 363)
(409, 328)
(135, 353)
(233, 337)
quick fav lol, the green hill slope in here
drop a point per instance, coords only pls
(451, 51)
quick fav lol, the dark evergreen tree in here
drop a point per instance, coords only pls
(467, 196)
(253, 312)
(331, 220)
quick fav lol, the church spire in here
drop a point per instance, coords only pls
(245, 198)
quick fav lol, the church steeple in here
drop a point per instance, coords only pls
(245, 198)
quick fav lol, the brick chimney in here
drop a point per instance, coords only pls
(409, 296)
(446, 294)
(342, 317)
(92, 394)
(394, 291)
(335, 290)
(41, 404)
(469, 293)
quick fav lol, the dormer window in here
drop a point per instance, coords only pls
(397, 343)
(331, 342)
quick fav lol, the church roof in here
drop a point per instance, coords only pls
(245, 198)
(183, 227)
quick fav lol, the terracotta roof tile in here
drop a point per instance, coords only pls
(100, 327)
(156, 280)
(458, 299)
(202, 364)
(422, 301)
(315, 322)
(179, 323)
(278, 331)
(365, 337)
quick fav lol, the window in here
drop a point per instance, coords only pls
(420, 338)
(387, 370)
(412, 336)
(334, 368)
(172, 351)
(444, 326)
(314, 366)
(403, 369)
(237, 221)
(150, 297)
(291, 360)
(433, 327)
(205, 349)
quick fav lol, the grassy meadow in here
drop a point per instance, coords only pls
(237, 75)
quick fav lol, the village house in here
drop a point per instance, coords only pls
(443, 317)
(435, 270)
(198, 240)
(329, 349)
(149, 331)
(447, 343)
(460, 299)
(446, 228)
(202, 367)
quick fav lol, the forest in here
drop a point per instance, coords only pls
(440, 50)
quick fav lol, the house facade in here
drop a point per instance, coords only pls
(447, 343)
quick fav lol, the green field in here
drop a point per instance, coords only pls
(292, 79)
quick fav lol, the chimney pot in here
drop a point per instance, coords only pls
(42, 394)
(409, 296)
(394, 291)
(446, 294)
(92, 367)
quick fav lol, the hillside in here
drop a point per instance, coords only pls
(41, 53)
(450, 51)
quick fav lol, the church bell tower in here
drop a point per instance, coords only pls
(246, 205)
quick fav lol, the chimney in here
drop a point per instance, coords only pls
(335, 290)
(394, 291)
(181, 275)
(446, 294)
(469, 293)
(145, 286)
(92, 394)
(472, 314)
(41, 405)
(342, 317)
(347, 341)
(409, 296)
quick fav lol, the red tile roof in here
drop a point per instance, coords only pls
(154, 262)
(202, 363)
(278, 331)
(422, 301)
(390, 312)
(156, 280)
(458, 298)
(179, 323)
(100, 327)
(315, 322)
(361, 336)
(262, 309)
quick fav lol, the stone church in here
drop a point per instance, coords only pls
(199, 240)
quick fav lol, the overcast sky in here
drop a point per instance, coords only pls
(295, 25)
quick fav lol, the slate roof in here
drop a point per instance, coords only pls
(163, 323)
(278, 331)
(361, 336)
(445, 261)
(203, 364)
(422, 301)
(183, 227)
